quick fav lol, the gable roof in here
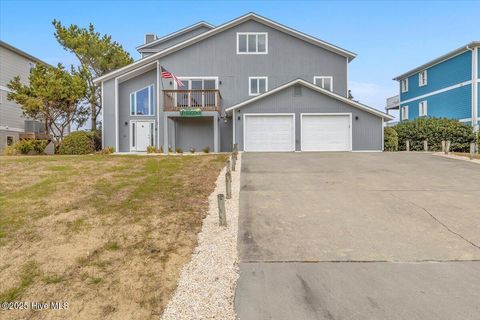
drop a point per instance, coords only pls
(315, 88)
(22, 53)
(177, 33)
(439, 59)
(249, 16)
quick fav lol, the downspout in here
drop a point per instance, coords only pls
(474, 87)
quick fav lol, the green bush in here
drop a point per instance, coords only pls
(151, 149)
(391, 139)
(96, 136)
(107, 150)
(10, 151)
(434, 130)
(178, 150)
(192, 150)
(206, 149)
(26, 147)
(78, 142)
(478, 142)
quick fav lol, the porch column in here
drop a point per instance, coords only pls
(215, 133)
(165, 134)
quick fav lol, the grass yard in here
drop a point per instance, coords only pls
(107, 234)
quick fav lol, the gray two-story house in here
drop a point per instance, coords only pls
(14, 62)
(250, 81)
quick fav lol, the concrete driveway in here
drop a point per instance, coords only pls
(358, 236)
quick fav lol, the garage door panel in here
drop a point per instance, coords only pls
(269, 133)
(326, 133)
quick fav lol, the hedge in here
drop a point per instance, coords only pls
(78, 142)
(391, 139)
(27, 147)
(434, 130)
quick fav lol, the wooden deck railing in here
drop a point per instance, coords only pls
(206, 100)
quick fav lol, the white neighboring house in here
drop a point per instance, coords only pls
(14, 62)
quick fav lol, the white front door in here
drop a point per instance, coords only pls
(141, 135)
(272, 132)
(326, 132)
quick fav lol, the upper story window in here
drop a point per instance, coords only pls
(404, 85)
(422, 78)
(257, 85)
(252, 43)
(324, 82)
(142, 102)
(422, 108)
(404, 113)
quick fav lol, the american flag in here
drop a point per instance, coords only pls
(168, 75)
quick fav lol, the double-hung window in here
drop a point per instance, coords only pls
(252, 43)
(142, 102)
(422, 108)
(422, 78)
(404, 85)
(324, 82)
(404, 113)
(257, 85)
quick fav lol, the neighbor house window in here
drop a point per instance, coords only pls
(324, 82)
(252, 43)
(405, 113)
(422, 109)
(142, 102)
(422, 78)
(257, 85)
(404, 85)
(10, 140)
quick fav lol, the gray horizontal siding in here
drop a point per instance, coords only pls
(366, 131)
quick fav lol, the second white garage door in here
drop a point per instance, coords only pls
(326, 132)
(273, 132)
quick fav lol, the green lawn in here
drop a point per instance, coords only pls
(106, 233)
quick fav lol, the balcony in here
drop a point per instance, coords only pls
(205, 100)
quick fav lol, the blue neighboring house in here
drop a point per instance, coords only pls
(446, 87)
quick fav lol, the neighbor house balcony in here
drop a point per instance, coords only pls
(203, 99)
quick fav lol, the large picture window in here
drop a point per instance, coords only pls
(252, 43)
(142, 102)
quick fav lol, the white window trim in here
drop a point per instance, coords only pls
(150, 91)
(175, 86)
(425, 104)
(403, 88)
(250, 33)
(250, 85)
(404, 110)
(322, 78)
(424, 72)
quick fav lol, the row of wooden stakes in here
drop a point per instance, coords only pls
(231, 166)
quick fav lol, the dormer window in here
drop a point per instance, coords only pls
(404, 85)
(422, 78)
(252, 43)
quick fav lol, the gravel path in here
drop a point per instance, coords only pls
(206, 287)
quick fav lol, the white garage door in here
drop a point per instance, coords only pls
(275, 132)
(321, 132)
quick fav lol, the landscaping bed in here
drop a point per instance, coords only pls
(106, 234)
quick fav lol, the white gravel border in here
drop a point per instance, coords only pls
(206, 288)
(454, 156)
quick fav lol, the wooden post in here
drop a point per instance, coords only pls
(472, 150)
(443, 146)
(228, 184)
(407, 145)
(222, 218)
(227, 164)
(425, 145)
(234, 163)
(447, 147)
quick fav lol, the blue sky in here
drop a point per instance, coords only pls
(390, 37)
